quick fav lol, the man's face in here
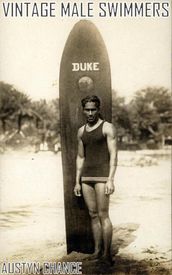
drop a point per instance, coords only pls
(91, 112)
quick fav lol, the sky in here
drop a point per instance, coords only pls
(139, 50)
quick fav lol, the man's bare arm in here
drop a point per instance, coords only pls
(79, 163)
(110, 132)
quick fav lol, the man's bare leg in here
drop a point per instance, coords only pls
(103, 212)
(90, 200)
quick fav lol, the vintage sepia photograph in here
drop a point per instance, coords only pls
(85, 137)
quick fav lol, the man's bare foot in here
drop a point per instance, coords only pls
(94, 256)
(107, 259)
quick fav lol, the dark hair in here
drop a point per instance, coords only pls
(91, 98)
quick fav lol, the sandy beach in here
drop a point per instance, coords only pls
(32, 214)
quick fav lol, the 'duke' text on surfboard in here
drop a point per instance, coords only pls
(86, 66)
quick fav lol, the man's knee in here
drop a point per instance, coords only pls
(103, 214)
(93, 214)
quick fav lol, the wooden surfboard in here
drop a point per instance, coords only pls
(84, 70)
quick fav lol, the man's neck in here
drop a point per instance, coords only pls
(93, 124)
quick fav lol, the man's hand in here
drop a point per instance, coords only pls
(109, 187)
(77, 190)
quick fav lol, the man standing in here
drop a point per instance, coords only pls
(95, 169)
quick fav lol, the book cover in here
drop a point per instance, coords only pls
(137, 36)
